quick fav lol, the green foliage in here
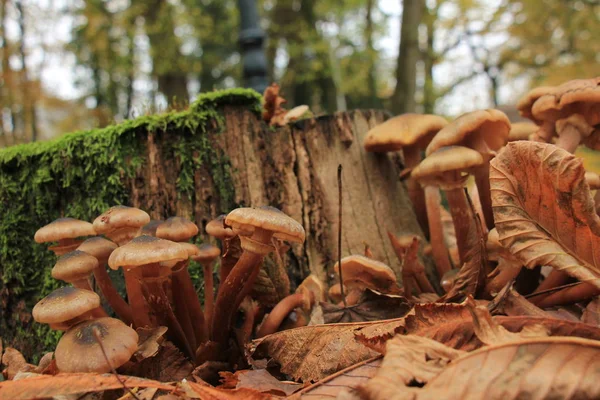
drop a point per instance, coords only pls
(80, 175)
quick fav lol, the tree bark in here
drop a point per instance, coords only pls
(374, 101)
(293, 169)
(403, 99)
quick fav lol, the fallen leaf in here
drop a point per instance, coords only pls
(344, 380)
(15, 363)
(372, 306)
(260, 380)
(149, 340)
(553, 367)
(543, 209)
(508, 301)
(272, 283)
(591, 314)
(43, 386)
(205, 392)
(169, 364)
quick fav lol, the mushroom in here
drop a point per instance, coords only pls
(335, 293)
(574, 108)
(264, 223)
(149, 259)
(406, 248)
(230, 244)
(177, 229)
(121, 223)
(484, 131)
(410, 133)
(67, 306)
(362, 273)
(448, 168)
(448, 279)
(66, 232)
(546, 129)
(150, 228)
(101, 249)
(521, 131)
(508, 265)
(75, 268)
(206, 256)
(99, 345)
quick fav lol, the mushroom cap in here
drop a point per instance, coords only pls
(491, 126)
(65, 304)
(98, 247)
(402, 131)
(64, 228)
(74, 266)
(191, 248)
(177, 229)
(361, 272)
(216, 228)
(79, 351)
(578, 96)
(593, 180)
(120, 217)
(248, 219)
(146, 250)
(335, 293)
(150, 228)
(295, 113)
(314, 285)
(447, 159)
(526, 102)
(521, 131)
(207, 253)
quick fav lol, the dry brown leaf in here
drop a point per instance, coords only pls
(14, 362)
(272, 283)
(544, 211)
(149, 340)
(169, 364)
(372, 306)
(542, 368)
(344, 380)
(205, 392)
(43, 386)
(508, 301)
(591, 314)
(260, 380)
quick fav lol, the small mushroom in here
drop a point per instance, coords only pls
(101, 249)
(87, 346)
(75, 268)
(66, 307)
(484, 131)
(360, 273)
(150, 228)
(335, 293)
(206, 256)
(121, 223)
(230, 244)
(546, 129)
(410, 133)
(177, 229)
(406, 249)
(521, 131)
(448, 168)
(65, 231)
(264, 223)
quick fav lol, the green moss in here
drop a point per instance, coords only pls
(80, 175)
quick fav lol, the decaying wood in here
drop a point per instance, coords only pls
(292, 168)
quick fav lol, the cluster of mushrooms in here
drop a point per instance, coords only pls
(154, 255)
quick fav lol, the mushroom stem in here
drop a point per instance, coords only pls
(462, 217)
(278, 314)
(569, 138)
(238, 284)
(555, 278)
(569, 295)
(436, 232)
(412, 157)
(208, 292)
(186, 298)
(116, 302)
(139, 308)
(504, 272)
(65, 246)
(482, 180)
(231, 254)
(180, 303)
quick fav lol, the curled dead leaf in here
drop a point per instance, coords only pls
(372, 306)
(14, 362)
(544, 211)
(591, 314)
(205, 392)
(260, 380)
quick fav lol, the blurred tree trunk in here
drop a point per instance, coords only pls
(429, 97)
(403, 99)
(165, 51)
(3, 94)
(8, 78)
(29, 112)
(374, 101)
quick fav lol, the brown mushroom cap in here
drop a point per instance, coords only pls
(361, 272)
(150, 228)
(64, 228)
(248, 219)
(216, 228)
(526, 102)
(578, 96)
(120, 217)
(146, 250)
(404, 130)
(335, 293)
(522, 131)
(177, 229)
(65, 304)
(74, 266)
(312, 284)
(593, 180)
(98, 247)
(489, 126)
(207, 253)
(455, 159)
(79, 351)
(295, 113)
